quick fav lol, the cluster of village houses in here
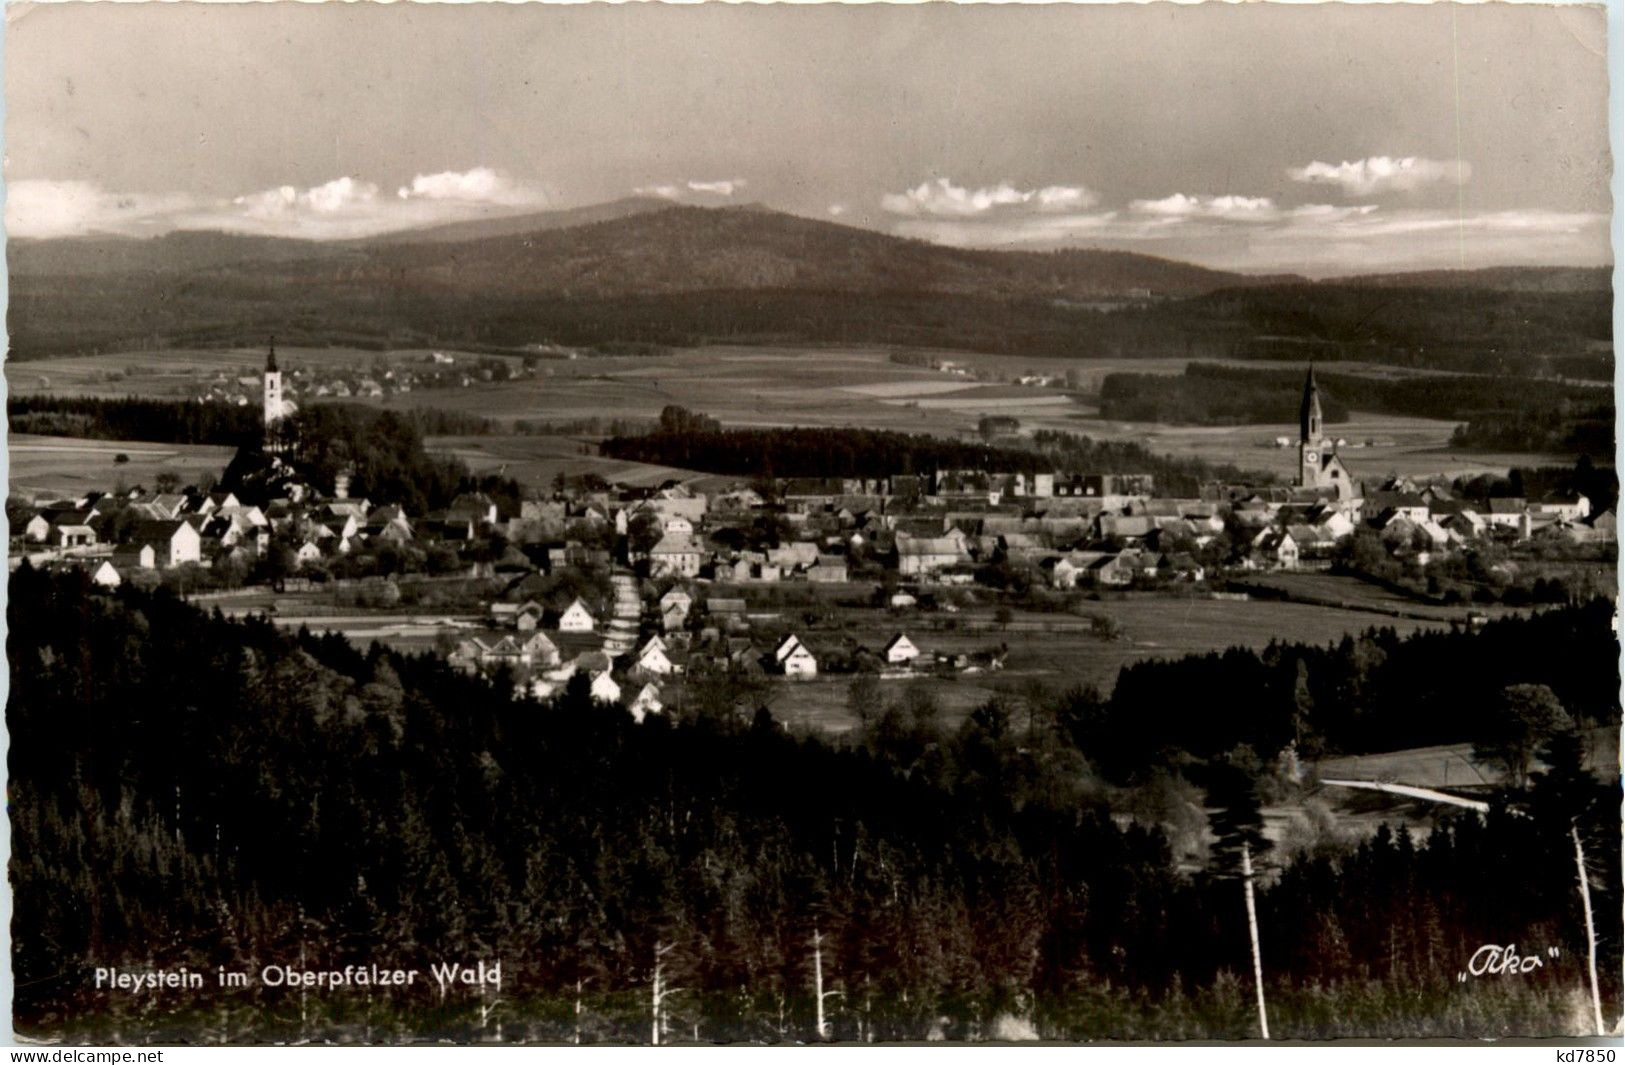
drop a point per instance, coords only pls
(930, 531)
(916, 532)
(334, 380)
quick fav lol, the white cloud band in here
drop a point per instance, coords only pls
(1381, 173)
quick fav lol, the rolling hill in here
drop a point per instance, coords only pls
(645, 272)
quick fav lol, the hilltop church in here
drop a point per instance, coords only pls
(1318, 464)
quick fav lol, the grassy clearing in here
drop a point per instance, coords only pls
(1363, 595)
(536, 460)
(60, 465)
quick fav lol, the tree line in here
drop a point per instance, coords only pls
(1507, 412)
(698, 442)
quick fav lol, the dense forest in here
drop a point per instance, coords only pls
(1509, 413)
(186, 421)
(187, 790)
(1372, 692)
(160, 421)
(696, 442)
(381, 451)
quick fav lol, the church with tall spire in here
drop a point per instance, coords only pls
(1318, 465)
(274, 405)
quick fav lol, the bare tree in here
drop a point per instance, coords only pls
(660, 991)
(819, 994)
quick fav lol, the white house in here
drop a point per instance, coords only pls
(538, 650)
(646, 702)
(576, 618)
(104, 575)
(920, 556)
(900, 651)
(675, 554)
(793, 659)
(174, 543)
(652, 658)
(605, 690)
(308, 552)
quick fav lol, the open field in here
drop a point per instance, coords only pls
(59, 465)
(1059, 651)
(1376, 445)
(1155, 626)
(1358, 594)
(536, 460)
(811, 386)
(1451, 766)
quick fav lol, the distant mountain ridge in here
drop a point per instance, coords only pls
(648, 272)
(636, 247)
(521, 223)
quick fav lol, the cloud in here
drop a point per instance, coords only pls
(344, 207)
(837, 209)
(1257, 234)
(1030, 228)
(718, 188)
(481, 184)
(43, 209)
(942, 198)
(339, 195)
(1379, 173)
(1235, 208)
(671, 191)
(1417, 239)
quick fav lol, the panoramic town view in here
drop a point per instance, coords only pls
(574, 597)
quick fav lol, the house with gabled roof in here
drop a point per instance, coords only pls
(794, 659)
(576, 618)
(37, 528)
(174, 542)
(675, 554)
(652, 658)
(604, 689)
(537, 650)
(474, 506)
(899, 650)
(1277, 547)
(645, 702)
(922, 556)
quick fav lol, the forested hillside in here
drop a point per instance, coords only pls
(686, 276)
(218, 794)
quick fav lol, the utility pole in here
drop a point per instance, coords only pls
(1252, 932)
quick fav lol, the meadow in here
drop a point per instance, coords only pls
(69, 466)
(778, 386)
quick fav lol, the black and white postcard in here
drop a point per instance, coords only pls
(794, 524)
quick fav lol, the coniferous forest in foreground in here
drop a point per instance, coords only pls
(192, 791)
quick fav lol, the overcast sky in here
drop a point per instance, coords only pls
(1322, 138)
